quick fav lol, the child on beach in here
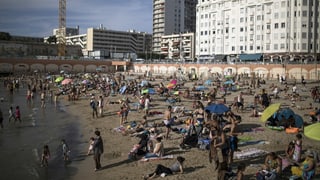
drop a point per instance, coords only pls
(18, 114)
(91, 146)
(45, 156)
(65, 150)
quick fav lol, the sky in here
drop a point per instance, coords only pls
(38, 18)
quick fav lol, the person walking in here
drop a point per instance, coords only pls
(11, 114)
(93, 105)
(97, 150)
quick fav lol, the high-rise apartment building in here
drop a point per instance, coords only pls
(274, 29)
(172, 17)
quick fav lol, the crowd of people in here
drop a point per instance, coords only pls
(221, 130)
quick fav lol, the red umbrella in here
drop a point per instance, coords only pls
(173, 81)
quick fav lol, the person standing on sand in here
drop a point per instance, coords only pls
(93, 105)
(1, 119)
(97, 150)
(100, 104)
(18, 114)
(168, 120)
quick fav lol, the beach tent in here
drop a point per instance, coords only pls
(201, 88)
(286, 112)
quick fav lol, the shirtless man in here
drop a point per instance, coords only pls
(168, 120)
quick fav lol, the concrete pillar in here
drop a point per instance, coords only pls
(116, 68)
(125, 68)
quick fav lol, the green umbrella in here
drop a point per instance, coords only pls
(59, 79)
(313, 131)
(269, 111)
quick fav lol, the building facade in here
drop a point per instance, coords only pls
(172, 17)
(178, 46)
(266, 29)
(112, 42)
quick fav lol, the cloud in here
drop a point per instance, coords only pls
(40, 17)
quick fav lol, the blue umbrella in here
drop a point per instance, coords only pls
(208, 82)
(144, 83)
(298, 120)
(201, 88)
(217, 108)
(228, 82)
(286, 112)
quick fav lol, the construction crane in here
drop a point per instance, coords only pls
(62, 29)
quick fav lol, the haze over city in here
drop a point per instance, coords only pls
(38, 18)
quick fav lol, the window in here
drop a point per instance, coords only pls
(258, 47)
(233, 48)
(241, 29)
(283, 25)
(305, 2)
(304, 13)
(258, 17)
(267, 46)
(242, 19)
(275, 36)
(276, 15)
(304, 25)
(304, 35)
(283, 4)
(282, 46)
(276, 25)
(275, 46)
(251, 48)
(241, 48)
(304, 46)
(268, 26)
(258, 37)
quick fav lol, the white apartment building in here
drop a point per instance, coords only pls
(256, 29)
(172, 17)
(178, 46)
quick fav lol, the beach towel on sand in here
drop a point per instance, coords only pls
(249, 153)
(157, 158)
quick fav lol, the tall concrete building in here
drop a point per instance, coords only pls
(273, 30)
(172, 17)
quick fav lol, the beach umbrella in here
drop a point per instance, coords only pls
(208, 82)
(269, 111)
(144, 83)
(228, 82)
(298, 120)
(66, 81)
(217, 108)
(85, 81)
(176, 92)
(312, 131)
(148, 91)
(48, 77)
(201, 88)
(173, 81)
(59, 79)
(170, 86)
(286, 112)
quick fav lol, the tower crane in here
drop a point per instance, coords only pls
(62, 29)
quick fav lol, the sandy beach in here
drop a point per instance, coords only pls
(115, 163)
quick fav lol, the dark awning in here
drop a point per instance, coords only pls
(220, 57)
(250, 57)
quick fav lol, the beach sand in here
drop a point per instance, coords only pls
(115, 163)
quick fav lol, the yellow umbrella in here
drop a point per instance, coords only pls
(269, 111)
(313, 131)
(59, 79)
